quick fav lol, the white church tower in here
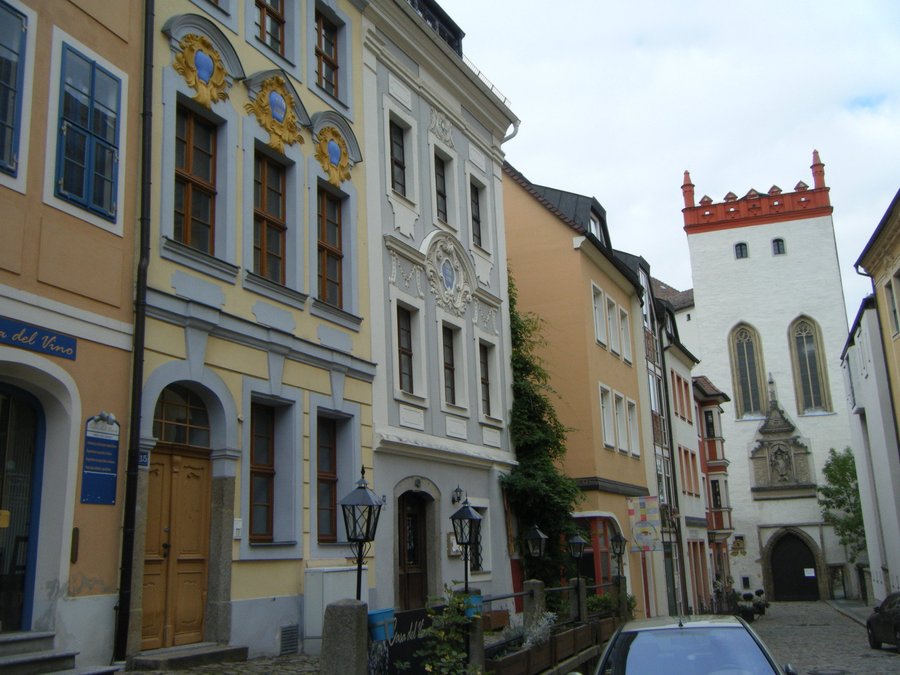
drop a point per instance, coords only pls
(768, 323)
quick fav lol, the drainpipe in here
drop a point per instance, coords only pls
(137, 371)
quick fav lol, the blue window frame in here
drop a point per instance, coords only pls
(13, 27)
(87, 160)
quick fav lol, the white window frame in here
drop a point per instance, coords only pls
(621, 422)
(598, 302)
(394, 113)
(460, 360)
(634, 443)
(625, 334)
(416, 307)
(437, 149)
(494, 419)
(607, 420)
(20, 180)
(482, 506)
(116, 226)
(474, 177)
(612, 320)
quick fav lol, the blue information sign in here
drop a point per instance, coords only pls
(101, 460)
(37, 339)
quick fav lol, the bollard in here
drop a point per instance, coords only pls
(345, 638)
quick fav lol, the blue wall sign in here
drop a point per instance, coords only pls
(37, 339)
(101, 460)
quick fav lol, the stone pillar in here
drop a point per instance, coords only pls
(345, 638)
(476, 643)
(535, 602)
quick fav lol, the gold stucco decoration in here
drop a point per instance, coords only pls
(331, 151)
(201, 67)
(274, 110)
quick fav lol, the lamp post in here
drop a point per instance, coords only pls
(361, 509)
(465, 527)
(576, 550)
(617, 542)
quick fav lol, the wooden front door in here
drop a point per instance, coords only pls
(413, 553)
(177, 548)
(794, 570)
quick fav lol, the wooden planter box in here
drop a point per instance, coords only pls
(540, 658)
(495, 619)
(563, 645)
(515, 663)
(583, 637)
(607, 627)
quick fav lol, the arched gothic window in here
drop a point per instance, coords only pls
(810, 380)
(747, 372)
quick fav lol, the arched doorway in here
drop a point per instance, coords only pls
(21, 460)
(794, 575)
(176, 555)
(413, 549)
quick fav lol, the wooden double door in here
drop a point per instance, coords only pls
(176, 556)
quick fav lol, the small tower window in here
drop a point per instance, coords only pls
(778, 246)
(740, 250)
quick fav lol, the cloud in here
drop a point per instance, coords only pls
(618, 99)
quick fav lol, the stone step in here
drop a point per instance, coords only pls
(42, 661)
(20, 642)
(187, 656)
(89, 670)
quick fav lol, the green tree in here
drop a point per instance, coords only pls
(839, 501)
(537, 490)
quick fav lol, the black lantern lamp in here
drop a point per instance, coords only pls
(456, 496)
(361, 509)
(535, 542)
(465, 528)
(576, 546)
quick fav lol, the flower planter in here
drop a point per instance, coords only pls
(540, 658)
(607, 628)
(515, 663)
(583, 637)
(473, 605)
(563, 645)
(381, 624)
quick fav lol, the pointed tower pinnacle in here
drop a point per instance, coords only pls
(818, 171)
(687, 189)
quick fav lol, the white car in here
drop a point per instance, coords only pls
(692, 645)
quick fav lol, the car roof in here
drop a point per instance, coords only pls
(674, 622)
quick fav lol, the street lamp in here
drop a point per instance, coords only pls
(361, 510)
(465, 529)
(576, 550)
(535, 542)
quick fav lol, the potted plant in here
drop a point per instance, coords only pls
(745, 607)
(759, 602)
(444, 640)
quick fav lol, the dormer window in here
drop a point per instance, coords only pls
(594, 228)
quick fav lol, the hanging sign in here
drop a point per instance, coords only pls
(101, 460)
(643, 513)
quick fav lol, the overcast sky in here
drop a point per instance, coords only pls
(617, 99)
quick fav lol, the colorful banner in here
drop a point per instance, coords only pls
(646, 525)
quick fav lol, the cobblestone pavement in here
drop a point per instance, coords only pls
(819, 638)
(281, 665)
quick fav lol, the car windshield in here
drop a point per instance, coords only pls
(687, 651)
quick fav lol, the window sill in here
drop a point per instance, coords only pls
(271, 544)
(410, 399)
(339, 316)
(488, 421)
(817, 413)
(274, 291)
(198, 261)
(608, 446)
(461, 411)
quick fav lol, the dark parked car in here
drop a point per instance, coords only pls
(883, 625)
(693, 645)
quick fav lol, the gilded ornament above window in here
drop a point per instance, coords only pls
(275, 112)
(331, 152)
(201, 67)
